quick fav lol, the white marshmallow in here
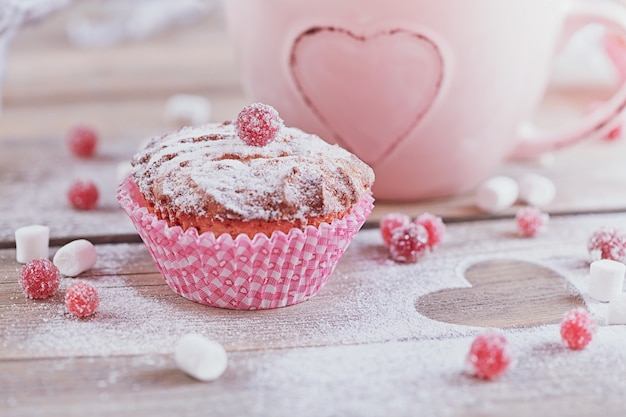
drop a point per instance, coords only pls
(616, 311)
(32, 242)
(496, 194)
(536, 189)
(200, 357)
(606, 279)
(188, 109)
(76, 257)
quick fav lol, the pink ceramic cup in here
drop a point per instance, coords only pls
(433, 94)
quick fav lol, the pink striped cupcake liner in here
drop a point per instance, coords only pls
(243, 273)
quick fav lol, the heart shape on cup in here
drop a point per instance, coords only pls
(369, 91)
(504, 294)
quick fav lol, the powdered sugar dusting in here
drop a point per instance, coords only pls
(125, 323)
(209, 169)
(357, 348)
(369, 298)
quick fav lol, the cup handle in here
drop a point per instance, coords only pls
(532, 142)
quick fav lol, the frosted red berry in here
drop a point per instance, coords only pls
(614, 134)
(607, 243)
(531, 221)
(83, 195)
(81, 299)
(435, 227)
(577, 328)
(258, 124)
(409, 243)
(390, 222)
(490, 355)
(39, 279)
(82, 141)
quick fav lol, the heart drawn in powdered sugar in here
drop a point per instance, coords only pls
(504, 294)
(369, 91)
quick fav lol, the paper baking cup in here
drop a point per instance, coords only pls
(242, 273)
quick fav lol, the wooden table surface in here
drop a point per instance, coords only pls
(379, 339)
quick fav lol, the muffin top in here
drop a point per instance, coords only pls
(208, 171)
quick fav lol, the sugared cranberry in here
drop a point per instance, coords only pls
(408, 243)
(81, 299)
(531, 221)
(607, 243)
(435, 227)
(614, 134)
(39, 279)
(577, 328)
(82, 141)
(489, 355)
(258, 124)
(391, 222)
(83, 195)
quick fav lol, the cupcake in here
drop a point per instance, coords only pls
(247, 214)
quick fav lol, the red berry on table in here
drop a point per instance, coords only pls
(390, 222)
(490, 355)
(39, 279)
(614, 134)
(531, 221)
(435, 227)
(81, 299)
(82, 141)
(83, 195)
(258, 124)
(607, 243)
(577, 328)
(408, 243)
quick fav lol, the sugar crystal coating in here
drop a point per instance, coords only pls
(39, 279)
(490, 355)
(208, 171)
(82, 141)
(258, 124)
(408, 243)
(607, 243)
(390, 222)
(531, 221)
(83, 195)
(81, 299)
(577, 328)
(435, 227)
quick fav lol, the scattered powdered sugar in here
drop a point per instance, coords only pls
(209, 165)
(359, 347)
(125, 323)
(429, 377)
(369, 298)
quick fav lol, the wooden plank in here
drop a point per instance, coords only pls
(399, 378)
(120, 120)
(369, 299)
(196, 58)
(359, 347)
(478, 306)
(34, 180)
